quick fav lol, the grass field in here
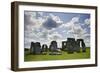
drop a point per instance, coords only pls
(64, 56)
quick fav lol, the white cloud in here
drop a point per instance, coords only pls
(56, 18)
(67, 26)
(64, 31)
(55, 36)
(40, 13)
(32, 20)
(37, 33)
(87, 39)
(28, 13)
(87, 21)
(71, 24)
(32, 28)
(75, 19)
(74, 30)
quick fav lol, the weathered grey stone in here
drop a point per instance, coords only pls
(77, 46)
(82, 44)
(70, 45)
(44, 49)
(37, 49)
(83, 47)
(54, 50)
(32, 48)
(53, 46)
(64, 45)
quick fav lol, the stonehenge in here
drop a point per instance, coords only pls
(70, 46)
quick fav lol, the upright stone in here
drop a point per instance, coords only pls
(44, 49)
(83, 47)
(32, 48)
(70, 45)
(64, 45)
(54, 48)
(37, 48)
(77, 46)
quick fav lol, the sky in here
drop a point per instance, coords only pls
(45, 27)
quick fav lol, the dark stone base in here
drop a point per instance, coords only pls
(70, 52)
(55, 53)
(44, 53)
(84, 51)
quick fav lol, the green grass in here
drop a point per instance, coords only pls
(64, 56)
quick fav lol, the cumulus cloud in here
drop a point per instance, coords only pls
(75, 30)
(87, 21)
(50, 23)
(29, 18)
(55, 36)
(56, 18)
(32, 19)
(44, 29)
(32, 27)
(75, 19)
(71, 24)
(40, 13)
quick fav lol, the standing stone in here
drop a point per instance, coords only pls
(44, 49)
(79, 41)
(37, 47)
(54, 48)
(70, 45)
(64, 45)
(83, 47)
(32, 48)
(77, 46)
